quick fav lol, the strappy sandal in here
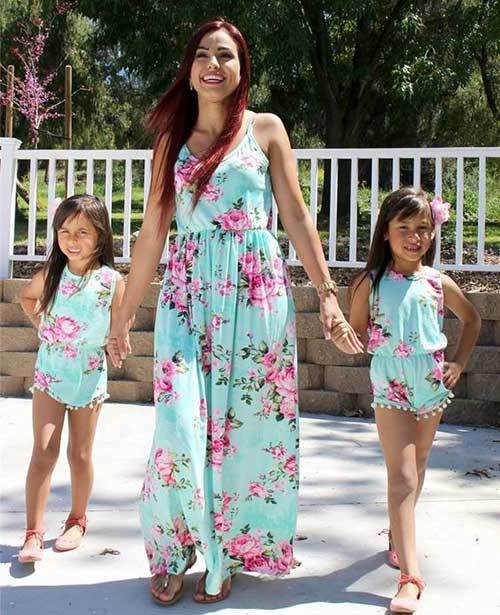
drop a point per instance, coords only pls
(407, 605)
(29, 554)
(68, 544)
(178, 594)
(212, 598)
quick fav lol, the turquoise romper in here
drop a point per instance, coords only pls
(407, 342)
(71, 364)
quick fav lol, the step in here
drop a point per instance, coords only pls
(17, 364)
(12, 315)
(325, 402)
(11, 386)
(311, 376)
(130, 391)
(18, 339)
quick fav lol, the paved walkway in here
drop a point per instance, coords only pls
(342, 512)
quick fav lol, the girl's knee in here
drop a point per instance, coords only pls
(79, 456)
(403, 482)
(45, 457)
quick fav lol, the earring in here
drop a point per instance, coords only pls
(191, 85)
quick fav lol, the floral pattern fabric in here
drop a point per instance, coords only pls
(222, 476)
(405, 335)
(71, 364)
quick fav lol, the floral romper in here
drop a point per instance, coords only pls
(222, 476)
(407, 342)
(71, 364)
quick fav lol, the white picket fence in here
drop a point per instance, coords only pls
(137, 168)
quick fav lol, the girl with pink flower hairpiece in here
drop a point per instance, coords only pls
(70, 303)
(397, 309)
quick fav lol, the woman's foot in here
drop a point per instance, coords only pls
(202, 596)
(32, 549)
(71, 537)
(166, 589)
(407, 598)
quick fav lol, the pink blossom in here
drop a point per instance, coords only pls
(403, 350)
(440, 210)
(195, 286)
(250, 263)
(212, 193)
(288, 407)
(257, 489)
(244, 545)
(269, 359)
(94, 363)
(198, 497)
(290, 465)
(437, 372)
(169, 368)
(165, 465)
(162, 385)
(224, 288)
(286, 384)
(398, 392)
(278, 451)
(68, 288)
(70, 351)
(395, 275)
(234, 220)
(258, 563)
(221, 524)
(377, 338)
(226, 502)
(250, 160)
(203, 408)
(107, 276)
(42, 379)
(183, 173)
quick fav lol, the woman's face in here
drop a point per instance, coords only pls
(215, 72)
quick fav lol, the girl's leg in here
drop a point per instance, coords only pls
(425, 438)
(82, 427)
(48, 421)
(399, 433)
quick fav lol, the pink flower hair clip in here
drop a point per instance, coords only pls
(440, 210)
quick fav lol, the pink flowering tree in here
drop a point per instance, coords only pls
(32, 95)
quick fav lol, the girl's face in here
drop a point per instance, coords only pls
(77, 238)
(215, 72)
(410, 238)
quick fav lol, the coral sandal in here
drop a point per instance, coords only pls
(68, 544)
(407, 605)
(29, 554)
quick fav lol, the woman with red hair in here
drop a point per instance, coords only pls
(222, 476)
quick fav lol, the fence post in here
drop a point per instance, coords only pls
(8, 174)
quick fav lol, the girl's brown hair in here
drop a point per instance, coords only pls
(93, 209)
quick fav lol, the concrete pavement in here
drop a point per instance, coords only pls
(342, 512)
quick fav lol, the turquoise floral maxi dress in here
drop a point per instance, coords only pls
(222, 476)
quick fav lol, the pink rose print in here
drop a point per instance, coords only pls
(70, 351)
(257, 489)
(212, 193)
(68, 288)
(94, 363)
(403, 350)
(43, 380)
(221, 524)
(250, 263)
(395, 275)
(377, 338)
(398, 392)
(183, 174)
(278, 452)
(234, 220)
(165, 466)
(290, 465)
(244, 545)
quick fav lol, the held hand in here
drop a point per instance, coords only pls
(336, 327)
(451, 374)
(118, 345)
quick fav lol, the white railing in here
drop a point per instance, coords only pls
(343, 240)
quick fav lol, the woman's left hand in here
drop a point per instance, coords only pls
(336, 327)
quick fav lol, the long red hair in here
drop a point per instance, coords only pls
(177, 111)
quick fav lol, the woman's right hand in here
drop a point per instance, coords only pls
(118, 345)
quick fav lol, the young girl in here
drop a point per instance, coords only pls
(397, 307)
(70, 303)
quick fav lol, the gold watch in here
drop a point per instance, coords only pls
(327, 287)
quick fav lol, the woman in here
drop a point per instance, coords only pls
(222, 477)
